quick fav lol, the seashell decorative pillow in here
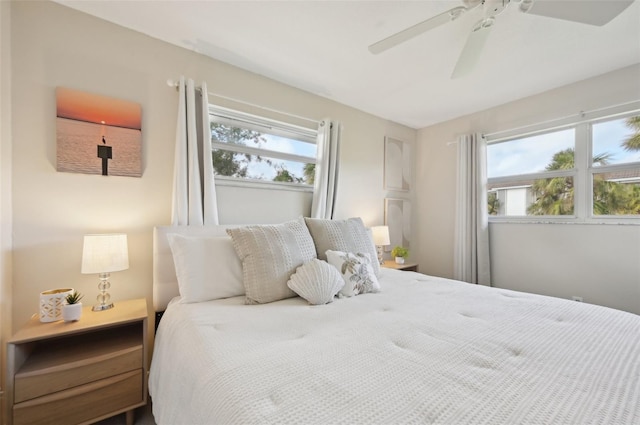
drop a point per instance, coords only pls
(316, 281)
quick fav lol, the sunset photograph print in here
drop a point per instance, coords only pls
(98, 134)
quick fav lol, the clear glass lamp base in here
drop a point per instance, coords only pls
(103, 297)
(101, 307)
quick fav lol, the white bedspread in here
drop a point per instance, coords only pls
(424, 350)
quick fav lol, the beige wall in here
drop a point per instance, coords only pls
(5, 189)
(526, 256)
(601, 264)
(56, 46)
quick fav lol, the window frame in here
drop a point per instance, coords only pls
(268, 126)
(582, 173)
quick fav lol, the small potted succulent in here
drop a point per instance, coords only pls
(399, 253)
(72, 310)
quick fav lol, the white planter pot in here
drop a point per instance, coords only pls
(71, 312)
(399, 260)
(51, 302)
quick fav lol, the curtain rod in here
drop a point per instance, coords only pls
(563, 121)
(570, 119)
(455, 142)
(174, 84)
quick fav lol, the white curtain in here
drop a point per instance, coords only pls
(471, 256)
(326, 176)
(194, 192)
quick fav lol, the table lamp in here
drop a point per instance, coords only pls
(380, 238)
(103, 254)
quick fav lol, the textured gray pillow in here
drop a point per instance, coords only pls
(348, 235)
(270, 254)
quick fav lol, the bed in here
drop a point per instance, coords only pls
(420, 349)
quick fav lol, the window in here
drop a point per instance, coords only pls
(250, 148)
(578, 173)
(615, 173)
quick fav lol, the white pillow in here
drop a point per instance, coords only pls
(356, 270)
(348, 235)
(207, 268)
(316, 281)
(270, 254)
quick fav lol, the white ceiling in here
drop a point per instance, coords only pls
(321, 47)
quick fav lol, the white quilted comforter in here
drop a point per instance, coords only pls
(425, 350)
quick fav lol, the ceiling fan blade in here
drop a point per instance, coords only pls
(473, 48)
(592, 12)
(416, 30)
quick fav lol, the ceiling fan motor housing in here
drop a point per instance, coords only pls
(494, 7)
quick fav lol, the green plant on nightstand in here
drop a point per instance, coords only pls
(74, 297)
(400, 254)
(72, 310)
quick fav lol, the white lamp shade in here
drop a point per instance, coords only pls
(105, 253)
(380, 235)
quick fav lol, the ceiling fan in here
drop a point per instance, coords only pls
(593, 12)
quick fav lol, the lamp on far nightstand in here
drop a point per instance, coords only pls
(380, 238)
(103, 254)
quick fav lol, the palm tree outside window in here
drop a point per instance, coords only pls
(538, 175)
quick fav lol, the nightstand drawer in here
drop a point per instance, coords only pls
(82, 403)
(71, 362)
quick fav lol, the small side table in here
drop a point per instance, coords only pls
(79, 372)
(411, 267)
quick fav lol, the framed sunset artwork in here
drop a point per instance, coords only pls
(97, 134)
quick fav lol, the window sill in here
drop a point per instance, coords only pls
(592, 221)
(259, 184)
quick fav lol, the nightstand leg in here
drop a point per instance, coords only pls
(129, 416)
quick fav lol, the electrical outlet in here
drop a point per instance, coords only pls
(577, 298)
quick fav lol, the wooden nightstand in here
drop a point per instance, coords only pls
(79, 372)
(411, 267)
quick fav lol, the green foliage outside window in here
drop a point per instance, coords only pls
(633, 142)
(555, 196)
(493, 203)
(235, 164)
